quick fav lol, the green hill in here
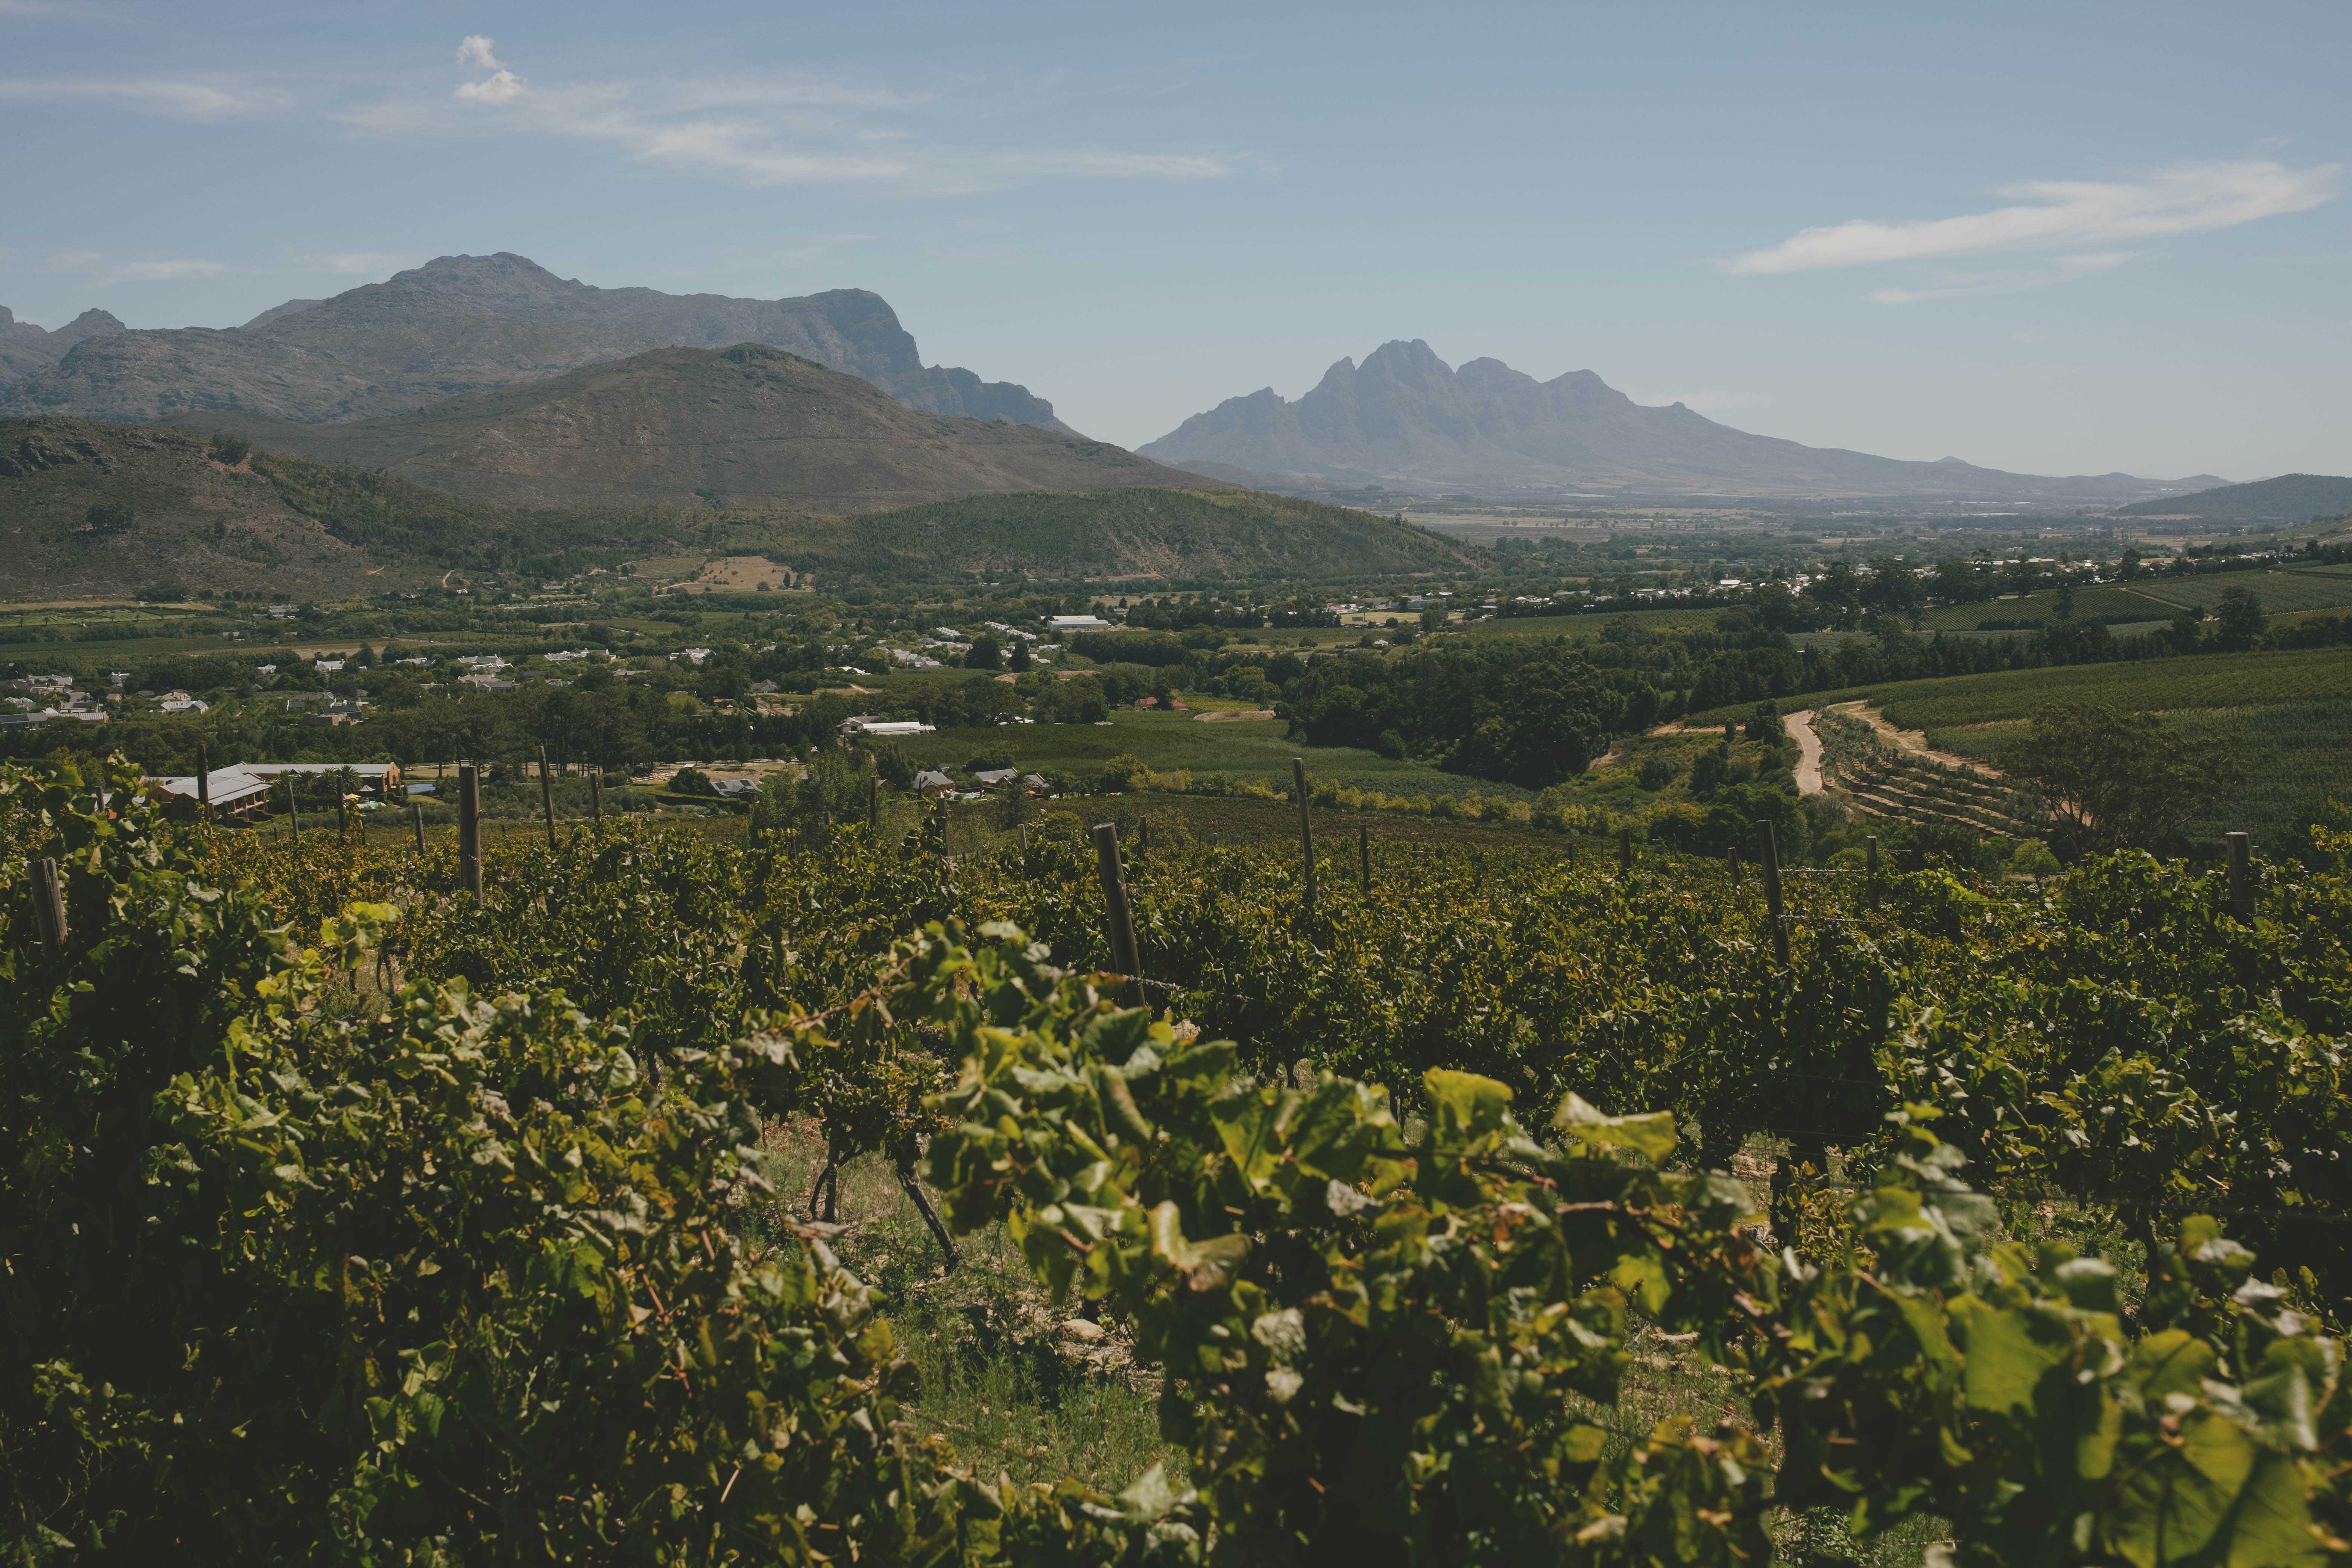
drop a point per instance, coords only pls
(2290, 498)
(1156, 534)
(745, 428)
(92, 509)
(89, 509)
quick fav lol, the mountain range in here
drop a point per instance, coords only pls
(745, 428)
(457, 325)
(2290, 498)
(1405, 418)
(26, 350)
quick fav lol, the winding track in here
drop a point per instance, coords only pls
(1808, 750)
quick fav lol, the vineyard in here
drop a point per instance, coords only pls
(1881, 780)
(350, 1217)
(2287, 715)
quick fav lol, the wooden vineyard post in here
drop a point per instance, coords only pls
(416, 819)
(1772, 904)
(1306, 824)
(1870, 870)
(49, 906)
(1735, 868)
(1025, 844)
(1364, 850)
(873, 803)
(204, 785)
(1625, 849)
(293, 806)
(469, 830)
(342, 815)
(2241, 875)
(1121, 920)
(547, 797)
(596, 797)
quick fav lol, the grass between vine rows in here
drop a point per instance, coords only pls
(1023, 1388)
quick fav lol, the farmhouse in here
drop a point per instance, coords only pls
(245, 790)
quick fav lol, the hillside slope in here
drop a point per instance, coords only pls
(1154, 534)
(1404, 415)
(272, 524)
(751, 428)
(175, 516)
(2290, 498)
(292, 528)
(470, 323)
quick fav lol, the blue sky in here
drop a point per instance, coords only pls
(2051, 237)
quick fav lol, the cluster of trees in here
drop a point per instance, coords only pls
(1532, 715)
(2115, 780)
(618, 727)
(1176, 614)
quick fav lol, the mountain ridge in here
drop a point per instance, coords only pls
(746, 427)
(2288, 498)
(1404, 415)
(462, 324)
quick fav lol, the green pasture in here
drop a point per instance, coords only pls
(2156, 685)
(1587, 628)
(2280, 592)
(1167, 742)
(2109, 602)
(1828, 642)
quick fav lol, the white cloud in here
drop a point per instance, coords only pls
(501, 86)
(761, 133)
(2061, 215)
(162, 271)
(172, 100)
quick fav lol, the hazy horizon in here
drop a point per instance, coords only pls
(2062, 242)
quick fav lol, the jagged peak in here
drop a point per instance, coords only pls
(1342, 370)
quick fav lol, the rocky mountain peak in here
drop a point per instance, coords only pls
(1405, 418)
(88, 324)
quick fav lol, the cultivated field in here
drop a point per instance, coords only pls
(2289, 713)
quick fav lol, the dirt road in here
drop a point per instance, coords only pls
(1914, 742)
(1799, 725)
